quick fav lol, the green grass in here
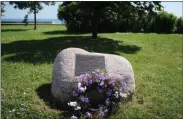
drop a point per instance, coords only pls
(27, 61)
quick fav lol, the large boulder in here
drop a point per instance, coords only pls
(64, 72)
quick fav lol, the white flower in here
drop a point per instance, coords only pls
(116, 94)
(97, 70)
(123, 94)
(74, 117)
(101, 83)
(77, 108)
(82, 89)
(72, 104)
(79, 85)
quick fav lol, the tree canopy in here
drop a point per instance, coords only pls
(33, 6)
(165, 22)
(88, 16)
(179, 25)
(2, 8)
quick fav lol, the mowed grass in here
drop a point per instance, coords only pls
(27, 62)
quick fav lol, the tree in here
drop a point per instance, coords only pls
(33, 6)
(2, 8)
(179, 26)
(165, 22)
(96, 11)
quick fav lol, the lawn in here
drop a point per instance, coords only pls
(27, 62)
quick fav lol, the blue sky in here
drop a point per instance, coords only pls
(50, 12)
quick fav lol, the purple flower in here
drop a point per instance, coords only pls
(88, 114)
(102, 114)
(106, 111)
(107, 101)
(80, 78)
(83, 76)
(104, 86)
(85, 100)
(89, 82)
(112, 82)
(75, 94)
(99, 105)
(99, 89)
(109, 93)
(100, 77)
(74, 117)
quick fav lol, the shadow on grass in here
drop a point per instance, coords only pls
(64, 32)
(13, 30)
(44, 92)
(40, 51)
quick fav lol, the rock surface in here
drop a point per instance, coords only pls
(64, 72)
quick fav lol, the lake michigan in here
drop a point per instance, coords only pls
(54, 21)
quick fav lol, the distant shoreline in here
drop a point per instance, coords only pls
(30, 21)
(29, 24)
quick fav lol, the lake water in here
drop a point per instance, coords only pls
(54, 21)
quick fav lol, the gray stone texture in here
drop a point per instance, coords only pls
(63, 80)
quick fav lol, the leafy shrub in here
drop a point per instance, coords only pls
(76, 20)
(165, 22)
(179, 26)
(79, 19)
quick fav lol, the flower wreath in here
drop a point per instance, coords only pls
(104, 85)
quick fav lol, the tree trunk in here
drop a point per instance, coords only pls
(35, 16)
(94, 26)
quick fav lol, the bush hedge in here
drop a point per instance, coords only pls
(77, 20)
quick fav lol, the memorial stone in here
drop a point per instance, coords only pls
(71, 62)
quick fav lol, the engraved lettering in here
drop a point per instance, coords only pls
(87, 63)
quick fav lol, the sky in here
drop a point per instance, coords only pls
(50, 12)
